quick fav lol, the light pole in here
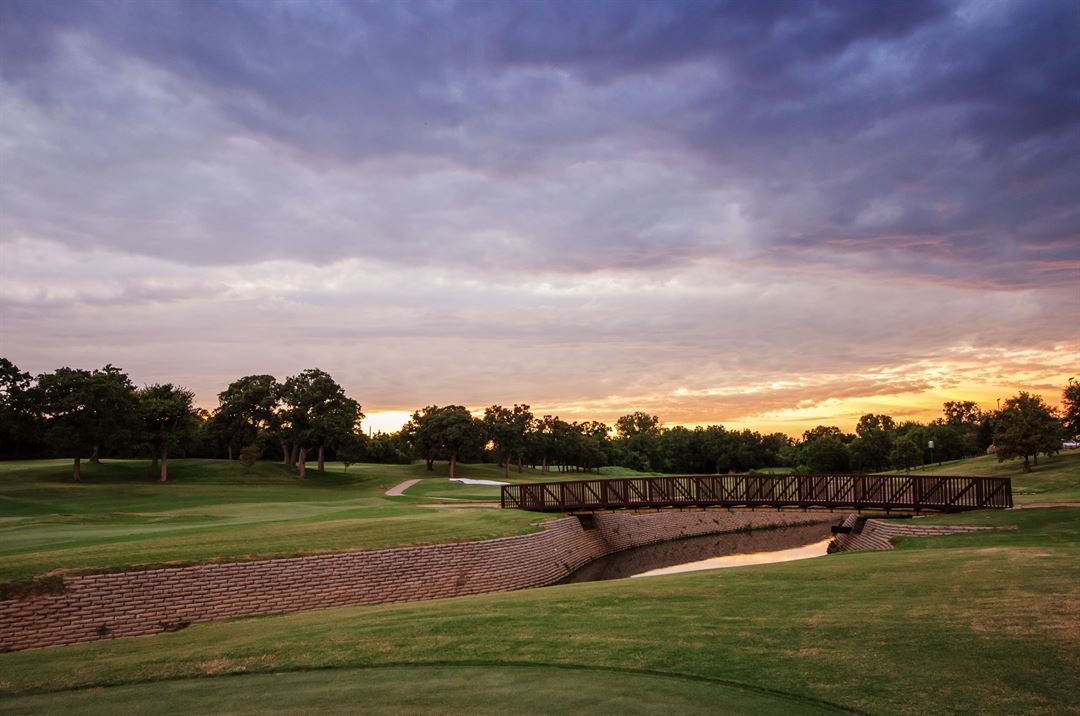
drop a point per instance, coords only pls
(930, 445)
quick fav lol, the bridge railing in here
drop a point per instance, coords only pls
(889, 492)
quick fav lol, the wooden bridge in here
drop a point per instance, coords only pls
(882, 492)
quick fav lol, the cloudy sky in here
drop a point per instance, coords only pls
(766, 214)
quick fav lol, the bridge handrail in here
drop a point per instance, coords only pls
(947, 493)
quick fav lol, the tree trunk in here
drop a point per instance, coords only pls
(1027, 465)
(154, 468)
(544, 465)
(431, 464)
(164, 464)
(302, 465)
(94, 459)
(230, 453)
(519, 464)
(453, 463)
(76, 469)
(284, 453)
(1036, 456)
(506, 467)
(322, 464)
(295, 454)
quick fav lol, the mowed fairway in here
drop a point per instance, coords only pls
(979, 623)
(213, 510)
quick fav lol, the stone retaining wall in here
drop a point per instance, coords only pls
(104, 606)
(879, 534)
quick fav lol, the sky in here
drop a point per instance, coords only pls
(764, 214)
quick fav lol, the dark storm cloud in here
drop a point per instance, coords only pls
(924, 139)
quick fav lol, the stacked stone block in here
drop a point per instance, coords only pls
(102, 606)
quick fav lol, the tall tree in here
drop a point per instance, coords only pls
(18, 416)
(85, 411)
(905, 454)
(169, 420)
(961, 412)
(318, 414)
(507, 428)
(1025, 427)
(639, 440)
(1070, 400)
(444, 431)
(873, 442)
(247, 407)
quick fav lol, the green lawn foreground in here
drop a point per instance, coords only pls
(979, 623)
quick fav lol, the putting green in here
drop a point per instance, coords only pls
(498, 690)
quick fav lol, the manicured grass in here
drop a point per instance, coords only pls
(213, 510)
(120, 517)
(494, 690)
(1055, 479)
(981, 623)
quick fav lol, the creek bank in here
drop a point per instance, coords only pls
(638, 560)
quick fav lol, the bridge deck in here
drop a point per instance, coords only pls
(887, 492)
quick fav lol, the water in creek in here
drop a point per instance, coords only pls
(761, 546)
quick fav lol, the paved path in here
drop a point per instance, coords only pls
(399, 489)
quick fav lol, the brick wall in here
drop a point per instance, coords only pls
(104, 606)
(879, 534)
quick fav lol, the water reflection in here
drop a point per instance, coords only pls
(755, 547)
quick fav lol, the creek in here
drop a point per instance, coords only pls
(732, 549)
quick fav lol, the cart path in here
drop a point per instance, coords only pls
(399, 489)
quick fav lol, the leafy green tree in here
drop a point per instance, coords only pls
(317, 414)
(639, 440)
(870, 450)
(443, 431)
(826, 454)
(246, 408)
(169, 420)
(586, 449)
(905, 454)
(507, 429)
(1025, 427)
(19, 424)
(86, 410)
(542, 441)
(961, 412)
(388, 448)
(717, 448)
(350, 450)
(1070, 400)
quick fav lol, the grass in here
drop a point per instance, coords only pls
(213, 510)
(473, 689)
(982, 623)
(119, 517)
(1055, 479)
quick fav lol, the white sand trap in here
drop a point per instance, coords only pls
(467, 481)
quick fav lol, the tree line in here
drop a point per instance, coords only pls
(88, 414)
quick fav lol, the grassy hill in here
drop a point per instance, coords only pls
(976, 623)
(1055, 479)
